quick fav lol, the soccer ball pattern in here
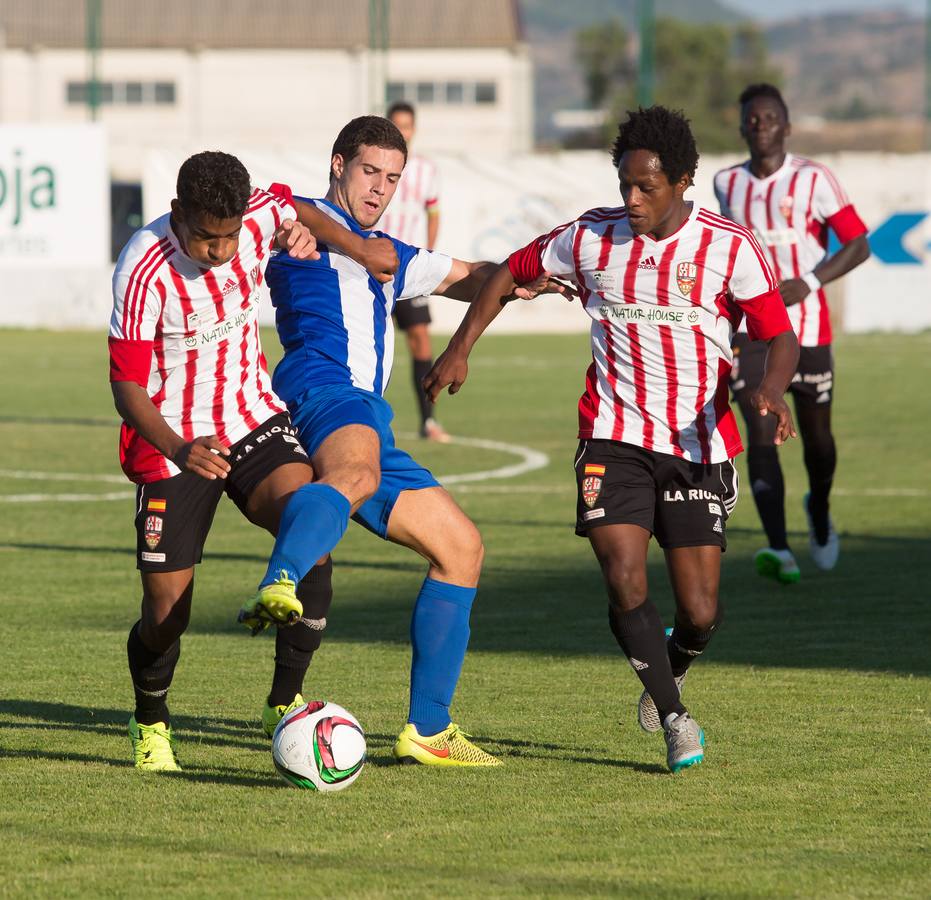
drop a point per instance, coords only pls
(319, 746)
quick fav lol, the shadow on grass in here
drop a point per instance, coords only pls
(868, 614)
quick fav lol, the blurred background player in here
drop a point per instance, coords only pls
(665, 282)
(414, 218)
(200, 417)
(790, 203)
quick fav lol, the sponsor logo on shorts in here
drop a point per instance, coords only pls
(152, 557)
(686, 274)
(718, 527)
(300, 451)
(714, 509)
(591, 488)
(693, 494)
(155, 505)
(593, 514)
(823, 397)
(639, 666)
(153, 531)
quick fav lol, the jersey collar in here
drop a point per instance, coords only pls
(786, 164)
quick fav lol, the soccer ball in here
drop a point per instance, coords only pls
(319, 746)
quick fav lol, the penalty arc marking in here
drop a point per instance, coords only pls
(530, 460)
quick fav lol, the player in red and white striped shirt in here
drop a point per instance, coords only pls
(414, 217)
(790, 203)
(665, 284)
(199, 415)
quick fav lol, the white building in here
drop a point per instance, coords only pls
(195, 74)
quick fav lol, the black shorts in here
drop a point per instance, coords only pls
(415, 311)
(173, 516)
(814, 378)
(684, 504)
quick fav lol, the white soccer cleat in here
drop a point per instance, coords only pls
(778, 564)
(824, 556)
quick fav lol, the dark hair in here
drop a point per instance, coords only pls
(402, 106)
(372, 131)
(664, 132)
(214, 183)
(763, 89)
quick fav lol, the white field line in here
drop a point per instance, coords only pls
(530, 460)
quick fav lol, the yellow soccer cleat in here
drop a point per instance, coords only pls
(451, 747)
(153, 747)
(273, 604)
(272, 715)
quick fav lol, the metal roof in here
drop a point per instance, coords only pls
(261, 24)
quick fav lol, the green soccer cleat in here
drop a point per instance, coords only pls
(153, 747)
(449, 747)
(273, 604)
(272, 715)
(777, 564)
(685, 743)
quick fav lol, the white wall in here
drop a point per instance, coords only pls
(492, 205)
(282, 99)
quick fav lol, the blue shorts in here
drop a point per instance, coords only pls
(319, 412)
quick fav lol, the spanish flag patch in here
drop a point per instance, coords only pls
(156, 505)
(592, 469)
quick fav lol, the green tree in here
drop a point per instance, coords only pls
(603, 51)
(699, 68)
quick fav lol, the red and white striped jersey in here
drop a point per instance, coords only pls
(190, 335)
(416, 194)
(790, 213)
(663, 313)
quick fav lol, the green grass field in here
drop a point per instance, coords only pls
(814, 697)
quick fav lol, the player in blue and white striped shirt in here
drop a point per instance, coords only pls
(334, 321)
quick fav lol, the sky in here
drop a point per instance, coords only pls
(784, 9)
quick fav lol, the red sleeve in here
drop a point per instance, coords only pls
(526, 264)
(130, 360)
(847, 225)
(282, 193)
(766, 316)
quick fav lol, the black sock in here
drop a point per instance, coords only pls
(421, 370)
(295, 644)
(685, 643)
(820, 461)
(641, 636)
(151, 672)
(769, 493)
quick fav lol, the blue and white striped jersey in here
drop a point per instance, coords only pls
(334, 318)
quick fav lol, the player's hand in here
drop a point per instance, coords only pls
(452, 368)
(380, 258)
(767, 402)
(545, 283)
(793, 291)
(297, 240)
(204, 456)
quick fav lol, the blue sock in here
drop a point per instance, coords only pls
(312, 524)
(439, 637)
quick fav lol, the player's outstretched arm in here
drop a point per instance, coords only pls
(498, 288)
(377, 255)
(781, 363)
(204, 455)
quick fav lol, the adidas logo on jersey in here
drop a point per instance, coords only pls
(230, 286)
(648, 263)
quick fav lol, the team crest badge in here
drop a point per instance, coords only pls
(686, 273)
(591, 483)
(785, 207)
(591, 488)
(153, 531)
